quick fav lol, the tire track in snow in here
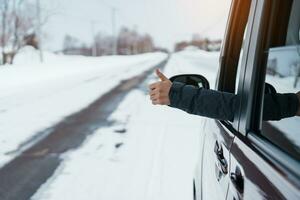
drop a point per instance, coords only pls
(22, 177)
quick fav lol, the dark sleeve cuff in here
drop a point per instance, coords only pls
(174, 94)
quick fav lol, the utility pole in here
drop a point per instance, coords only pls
(39, 29)
(113, 25)
(113, 11)
(94, 48)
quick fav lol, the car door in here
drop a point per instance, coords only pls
(219, 135)
(265, 155)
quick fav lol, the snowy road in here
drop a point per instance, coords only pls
(139, 152)
(36, 164)
(148, 153)
(34, 97)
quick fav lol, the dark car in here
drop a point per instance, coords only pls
(250, 158)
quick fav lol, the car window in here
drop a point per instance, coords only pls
(283, 72)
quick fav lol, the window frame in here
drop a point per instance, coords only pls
(252, 93)
(232, 47)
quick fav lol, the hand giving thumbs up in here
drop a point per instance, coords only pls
(159, 91)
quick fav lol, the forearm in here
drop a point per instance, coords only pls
(222, 105)
(203, 102)
(278, 106)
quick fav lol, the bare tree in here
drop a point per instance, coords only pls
(70, 43)
(4, 9)
(18, 24)
(23, 23)
(131, 42)
(73, 46)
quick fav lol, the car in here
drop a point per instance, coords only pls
(250, 158)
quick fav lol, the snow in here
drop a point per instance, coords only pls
(157, 154)
(286, 59)
(195, 62)
(149, 164)
(36, 96)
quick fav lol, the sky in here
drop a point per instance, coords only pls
(167, 21)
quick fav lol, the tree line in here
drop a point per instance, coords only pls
(199, 42)
(127, 42)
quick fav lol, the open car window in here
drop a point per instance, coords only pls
(283, 72)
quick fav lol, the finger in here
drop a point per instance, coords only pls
(153, 92)
(153, 95)
(155, 102)
(153, 85)
(161, 75)
(153, 98)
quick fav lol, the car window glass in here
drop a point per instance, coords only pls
(283, 72)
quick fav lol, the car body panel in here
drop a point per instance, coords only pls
(214, 181)
(262, 180)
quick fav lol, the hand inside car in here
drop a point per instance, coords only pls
(159, 91)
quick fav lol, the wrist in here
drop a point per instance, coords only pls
(174, 93)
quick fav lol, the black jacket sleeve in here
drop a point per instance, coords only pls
(223, 105)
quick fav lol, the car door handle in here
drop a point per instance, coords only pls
(221, 161)
(237, 180)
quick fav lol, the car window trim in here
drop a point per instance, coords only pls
(244, 61)
(229, 57)
(252, 85)
(276, 156)
(232, 46)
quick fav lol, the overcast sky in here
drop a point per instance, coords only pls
(168, 21)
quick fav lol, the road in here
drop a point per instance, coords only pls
(22, 177)
(149, 152)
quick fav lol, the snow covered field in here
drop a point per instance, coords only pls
(36, 96)
(152, 159)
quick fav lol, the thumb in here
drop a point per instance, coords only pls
(161, 75)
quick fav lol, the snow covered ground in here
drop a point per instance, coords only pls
(154, 156)
(149, 153)
(35, 96)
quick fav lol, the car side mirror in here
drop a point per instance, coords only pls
(196, 80)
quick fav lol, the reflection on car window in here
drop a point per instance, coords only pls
(283, 72)
(240, 61)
